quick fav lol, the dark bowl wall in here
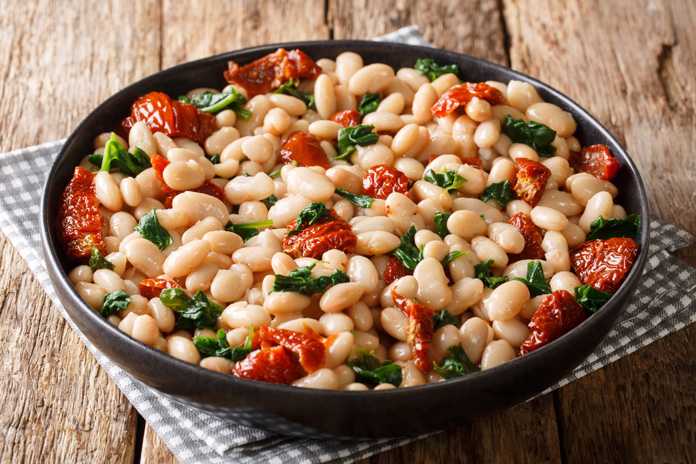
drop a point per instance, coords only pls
(305, 412)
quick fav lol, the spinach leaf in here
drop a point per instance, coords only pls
(246, 230)
(275, 173)
(215, 159)
(98, 261)
(211, 346)
(116, 156)
(590, 298)
(452, 255)
(369, 104)
(150, 228)
(535, 281)
(213, 103)
(444, 318)
(609, 228)
(116, 301)
(432, 70)
(198, 312)
(299, 281)
(448, 180)
(485, 275)
(536, 135)
(441, 223)
(358, 200)
(501, 192)
(290, 88)
(370, 370)
(350, 137)
(310, 214)
(457, 365)
(408, 253)
(270, 201)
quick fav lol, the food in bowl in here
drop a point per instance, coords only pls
(341, 225)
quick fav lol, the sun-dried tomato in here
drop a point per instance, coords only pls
(461, 94)
(597, 160)
(272, 365)
(382, 180)
(475, 162)
(79, 223)
(346, 118)
(303, 149)
(420, 328)
(558, 314)
(395, 270)
(306, 348)
(151, 288)
(208, 187)
(174, 118)
(603, 264)
(328, 233)
(271, 71)
(531, 180)
(532, 238)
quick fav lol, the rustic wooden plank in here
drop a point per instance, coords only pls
(154, 450)
(633, 69)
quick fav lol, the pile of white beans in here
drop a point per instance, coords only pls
(239, 275)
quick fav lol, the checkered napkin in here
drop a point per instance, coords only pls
(661, 305)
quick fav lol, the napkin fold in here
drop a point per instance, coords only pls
(661, 305)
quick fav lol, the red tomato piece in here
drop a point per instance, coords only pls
(271, 71)
(151, 288)
(329, 233)
(461, 94)
(382, 180)
(272, 365)
(395, 270)
(597, 160)
(79, 222)
(304, 149)
(208, 187)
(346, 118)
(558, 314)
(174, 118)
(307, 348)
(475, 162)
(420, 328)
(531, 180)
(603, 264)
(532, 238)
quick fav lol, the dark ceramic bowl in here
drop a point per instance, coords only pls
(299, 411)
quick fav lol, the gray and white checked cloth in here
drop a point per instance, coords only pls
(662, 304)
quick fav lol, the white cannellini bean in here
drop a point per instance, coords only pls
(310, 184)
(506, 301)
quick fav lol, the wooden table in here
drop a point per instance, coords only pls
(631, 64)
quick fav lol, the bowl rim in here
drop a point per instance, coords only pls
(163, 359)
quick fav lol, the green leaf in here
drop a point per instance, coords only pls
(444, 318)
(270, 201)
(457, 365)
(150, 228)
(218, 346)
(215, 159)
(452, 255)
(441, 223)
(501, 192)
(485, 275)
(116, 301)
(448, 180)
(362, 201)
(408, 253)
(536, 135)
(590, 298)
(198, 312)
(608, 228)
(432, 70)
(368, 369)
(275, 173)
(309, 215)
(535, 281)
(369, 104)
(246, 230)
(98, 261)
(116, 156)
(299, 281)
(350, 137)
(213, 103)
(290, 88)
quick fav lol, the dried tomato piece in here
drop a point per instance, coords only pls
(328, 233)
(208, 187)
(597, 160)
(532, 238)
(79, 222)
(461, 94)
(307, 348)
(395, 270)
(531, 180)
(272, 365)
(174, 118)
(475, 162)
(269, 72)
(346, 118)
(420, 328)
(603, 264)
(558, 314)
(151, 288)
(304, 149)
(382, 180)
